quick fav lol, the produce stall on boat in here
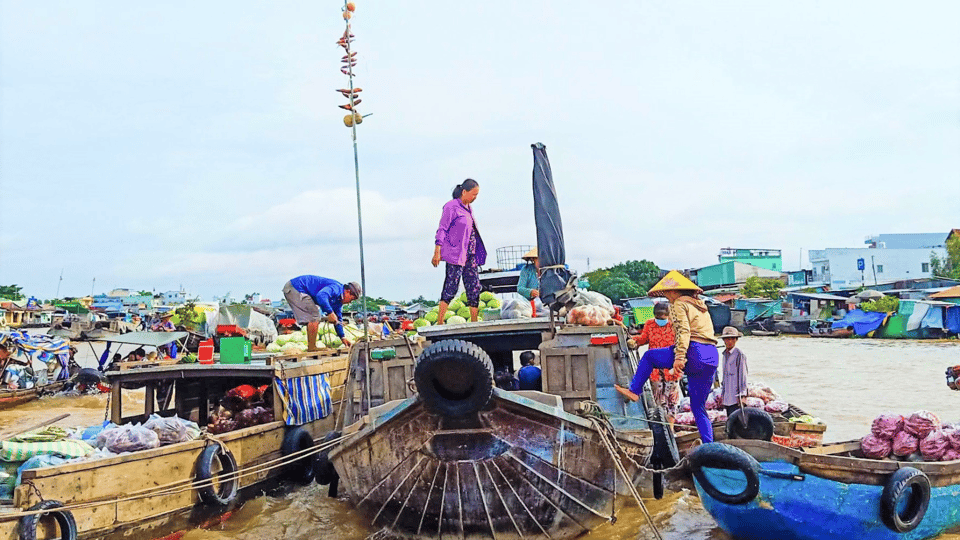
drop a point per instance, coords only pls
(20, 383)
(261, 422)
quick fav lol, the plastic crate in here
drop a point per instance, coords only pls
(235, 350)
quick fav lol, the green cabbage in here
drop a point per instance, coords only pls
(487, 296)
(464, 312)
(463, 297)
(456, 319)
(456, 305)
(283, 339)
(274, 347)
(493, 303)
(431, 316)
(421, 322)
(331, 340)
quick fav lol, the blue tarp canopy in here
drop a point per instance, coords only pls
(863, 322)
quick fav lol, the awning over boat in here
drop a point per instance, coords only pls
(863, 322)
(144, 339)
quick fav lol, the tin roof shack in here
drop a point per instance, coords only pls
(817, 305)
(951, 295)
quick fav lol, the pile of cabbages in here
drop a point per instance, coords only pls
(759, 396)
(918, 437)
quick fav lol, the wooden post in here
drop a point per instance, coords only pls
(150, 400)
(116, 409)
(204, 414)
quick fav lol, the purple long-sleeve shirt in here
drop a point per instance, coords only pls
(453, 234)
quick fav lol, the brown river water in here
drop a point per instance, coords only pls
(845, 382)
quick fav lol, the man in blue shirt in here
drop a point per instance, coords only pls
(308, 296)
(529, 374)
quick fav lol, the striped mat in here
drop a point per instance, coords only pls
(17, 451)
(305, 399)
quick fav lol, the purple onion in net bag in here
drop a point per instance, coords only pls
(950, 455)
(921, 423)
(776, 407)
(934, 445)
(886, 426)
(874, 447)
(904, 444)
(754, 402)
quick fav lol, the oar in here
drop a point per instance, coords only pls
(35, 426)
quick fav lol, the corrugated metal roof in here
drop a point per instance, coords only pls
(820, 296)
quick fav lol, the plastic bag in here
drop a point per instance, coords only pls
(950, 455)
(904, 444)
(685, 419)
(715, 399)
(37, 462)
(516, 309)
(776, 407)
(588, 316)
(953, 435)
(128, 438)
(762, 391)
(756, 403)
(595, 299)
(254, 416)
(921, 423)
(717, 416)
(685, 405)
(168, 430)
(886, 426)
(934, 445)
(874, 447)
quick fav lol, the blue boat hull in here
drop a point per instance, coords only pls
(816, 508)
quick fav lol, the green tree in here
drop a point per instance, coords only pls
(644, 274)
(758, 287)
(144, 293)
(11, 291)
(187, 316)
(947, 266)
(887, 304)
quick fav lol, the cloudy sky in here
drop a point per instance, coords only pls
(150, 145)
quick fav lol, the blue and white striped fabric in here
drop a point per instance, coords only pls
(305, 399)
(46, 348)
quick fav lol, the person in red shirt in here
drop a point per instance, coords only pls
(658, 333)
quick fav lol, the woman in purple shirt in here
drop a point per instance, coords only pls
(458, 244)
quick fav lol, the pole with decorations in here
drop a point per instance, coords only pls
(352, 120)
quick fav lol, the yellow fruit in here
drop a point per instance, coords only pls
(347, 15)
(349, 119)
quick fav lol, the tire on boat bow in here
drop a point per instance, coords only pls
(454, 377)
(759, 424)
(226, 492)
(724, 456)
(297, 440)
(64, 518)
(909, 488)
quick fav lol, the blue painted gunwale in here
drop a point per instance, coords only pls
(821, 508)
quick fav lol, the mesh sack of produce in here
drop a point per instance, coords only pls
(904, 444)
(685, 405)
(129, 438)
(886, 426)
(714, 399)
(776, 407)
(754, 402)
(717, 416)
(685, 419)
(168, 430)
(762, 391)
(934, 445)
(874, 447)
(950, 455)
(953, 435)
(921, 423)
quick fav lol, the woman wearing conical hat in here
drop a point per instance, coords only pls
(694, 351)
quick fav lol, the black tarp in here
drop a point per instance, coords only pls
(546, 211)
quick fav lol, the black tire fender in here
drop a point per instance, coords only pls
(227, 490)
(324, 471)
(295, 440)
(64, 518)
(454, 378)
(759, 424)
(724, 456)
(905, 482)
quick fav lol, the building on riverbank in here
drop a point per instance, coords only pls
(889, 258)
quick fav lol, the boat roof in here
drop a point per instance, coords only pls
(192, 371)
(148, 339)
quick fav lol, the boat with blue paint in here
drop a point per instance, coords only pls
(759, 490)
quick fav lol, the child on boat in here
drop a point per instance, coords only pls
(658, 333)
(734, 385)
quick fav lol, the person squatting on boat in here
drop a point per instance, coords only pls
(309, 295)
(658, 334)
(528, 286)
(458, 244)
(734, 385)
(694, 351)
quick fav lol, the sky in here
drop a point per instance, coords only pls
(200, 144)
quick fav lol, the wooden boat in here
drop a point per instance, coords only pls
(829, 332)
(11, 398)
(785, 432)
(759, 490)
(454, 456)
(148, 490)
(764, 332)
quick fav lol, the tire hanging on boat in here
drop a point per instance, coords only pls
(295, 440)
(324, 472)
(454, 378)
(226, 492)
(759, 425)
(912, 484)
(665, 453)
(64, 518)
(724, 456)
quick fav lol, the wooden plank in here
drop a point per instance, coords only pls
(150, 399)
(116, 408)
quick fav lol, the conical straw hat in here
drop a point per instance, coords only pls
(673, 281)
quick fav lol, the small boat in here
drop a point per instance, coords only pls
(11, 398)
(764, 332)
(758, 490)
(831, 332)
(793, 434)
(150, 490)
(24, 348)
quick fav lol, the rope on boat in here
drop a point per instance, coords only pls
(181, 486)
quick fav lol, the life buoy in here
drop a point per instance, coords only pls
(454, 378)
(64, 518)
(759, 424)
(296, 440)
(226, 491)
(908, 488)
(724, 456)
